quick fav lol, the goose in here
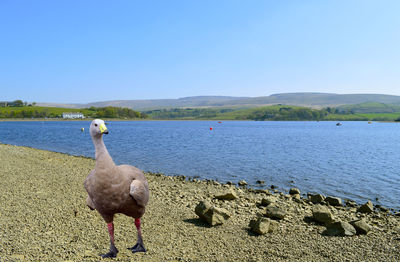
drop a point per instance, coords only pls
(115, 189)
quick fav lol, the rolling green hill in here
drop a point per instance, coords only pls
(268, 113)
(359, 112)
(314, 100)
(370, 107)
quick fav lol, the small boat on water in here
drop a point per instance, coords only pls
(339, 124)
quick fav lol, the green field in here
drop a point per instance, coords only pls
(54, 110)
(265, 113)
(30, 112)
(273, 113)
(364, 117)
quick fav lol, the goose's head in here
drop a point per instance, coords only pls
(97, 128)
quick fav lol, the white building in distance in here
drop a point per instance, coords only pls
(73, 115)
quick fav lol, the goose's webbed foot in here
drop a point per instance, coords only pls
(112, 253)
(139, 247)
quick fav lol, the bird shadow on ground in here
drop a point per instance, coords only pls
(197, 222)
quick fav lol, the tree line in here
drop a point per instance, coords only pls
(182, 113)
(49, 112)
(268, 113)
(16, 103)
(114, 112)
(20, 109)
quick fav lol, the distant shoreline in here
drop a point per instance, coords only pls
(167, 120)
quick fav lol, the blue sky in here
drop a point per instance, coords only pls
(86, 51)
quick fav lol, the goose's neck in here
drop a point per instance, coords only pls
(103, 158)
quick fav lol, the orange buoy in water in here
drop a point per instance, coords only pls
(210, 128)
(219, 122)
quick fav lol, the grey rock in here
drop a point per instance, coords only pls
(262, 191)
(212, 215)
(322, 214)
(229, 195)
(216, 183)
(275, 212)
(351, 203)
(339, 228)
(334, 201)
(382, 208)
(317, 198)
(260, 225)
(366, 208)
(294, 191)
(261, 182)
(361, 226)
(267, 201)
(273, 226)
(296, 196)
(242, 183)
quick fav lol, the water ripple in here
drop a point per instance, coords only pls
(356, 161)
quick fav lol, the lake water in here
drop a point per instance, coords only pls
(357, 160)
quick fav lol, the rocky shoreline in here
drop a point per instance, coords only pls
(43, 217)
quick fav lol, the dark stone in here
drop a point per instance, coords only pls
(229, 195)
(351, 203)
(322, 214)
(317, 198)
(260, 225)
(366, 208)
(267, 201)
(333, 201)
(339, 228)
(361, 226)
(382, 208)
(212, 215)
(262, 191)
(242, 183)
(294, 191)
(275, 213)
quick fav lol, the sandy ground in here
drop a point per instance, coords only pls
(43, 217)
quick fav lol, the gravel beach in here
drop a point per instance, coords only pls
(44, 217)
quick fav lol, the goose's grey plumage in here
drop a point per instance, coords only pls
(115, 189)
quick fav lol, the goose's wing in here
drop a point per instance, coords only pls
(140, 192)
(139, 188)
(88, 181)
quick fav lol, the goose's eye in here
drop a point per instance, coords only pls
(95, 124)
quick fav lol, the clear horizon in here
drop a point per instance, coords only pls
(89, 51)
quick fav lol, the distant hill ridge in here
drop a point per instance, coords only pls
(315, 100)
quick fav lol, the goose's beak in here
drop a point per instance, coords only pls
(103, 129)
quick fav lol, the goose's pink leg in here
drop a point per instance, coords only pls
(139, 247)
(113, 250)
